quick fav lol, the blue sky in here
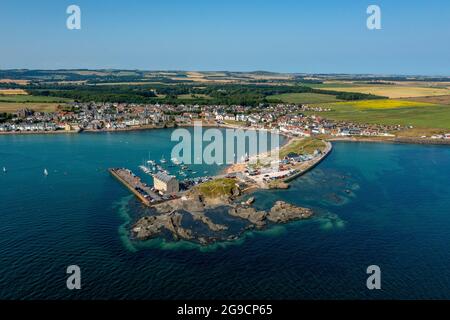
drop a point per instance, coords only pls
(286, 36)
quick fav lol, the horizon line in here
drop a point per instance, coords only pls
(234, 71)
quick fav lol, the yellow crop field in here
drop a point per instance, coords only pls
(381, 104)
(8, 92)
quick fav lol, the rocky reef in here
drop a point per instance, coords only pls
(169, 216)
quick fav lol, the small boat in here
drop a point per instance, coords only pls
(163, 160)
(45, 172)
(144, 168)
(151, 162)
(4, 169)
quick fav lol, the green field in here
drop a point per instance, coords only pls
(391, 112)
(299, 98)
(31, 99)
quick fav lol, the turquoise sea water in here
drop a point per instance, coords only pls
(380, 204)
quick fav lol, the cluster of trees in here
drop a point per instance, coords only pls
(5, 117)
(351, 96)
(87, 93)
(227, 94)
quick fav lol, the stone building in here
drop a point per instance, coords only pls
(165, 183)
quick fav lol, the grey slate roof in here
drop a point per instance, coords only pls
(163, 177)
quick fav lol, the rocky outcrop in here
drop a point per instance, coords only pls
(249, 213)
(174, 225)
(281, 212)
(170, 216)
(192, 204)
(211, 225)
(284, 212)
(152, 226)
(148, 227)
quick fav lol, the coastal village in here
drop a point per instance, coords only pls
(293, 119)
(173, 196)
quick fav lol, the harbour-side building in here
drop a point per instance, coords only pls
(165, 183)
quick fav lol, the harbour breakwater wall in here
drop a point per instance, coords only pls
(314, 163)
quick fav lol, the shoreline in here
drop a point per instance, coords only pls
(307, 166)
(393, 140)
(399, 140)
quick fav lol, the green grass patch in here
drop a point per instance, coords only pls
(217, 188)
(302, 146)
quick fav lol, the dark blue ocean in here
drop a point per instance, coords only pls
(382, 204)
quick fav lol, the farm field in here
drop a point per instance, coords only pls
(11, 107)
(390, 91)
(444, 100)
(391, 112)
(303, 98)
(382, 104)
(30, 99)
(12, 103)
(8, 92)
(21, 82)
